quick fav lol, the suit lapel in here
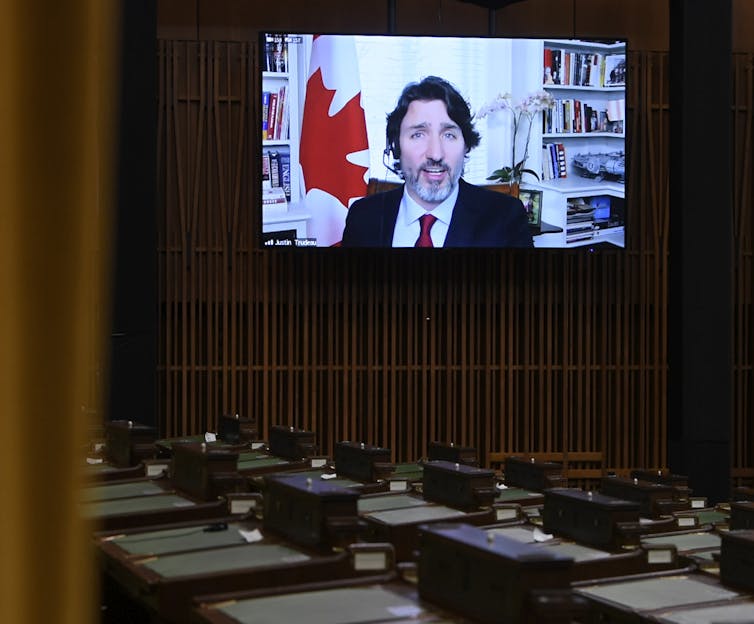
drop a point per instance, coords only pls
(389, 215)
(463, 221)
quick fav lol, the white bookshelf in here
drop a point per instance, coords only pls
(577, 185)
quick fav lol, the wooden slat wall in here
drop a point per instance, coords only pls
(506, 351)
(742, 449)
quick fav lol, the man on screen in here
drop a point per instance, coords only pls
(429, 133)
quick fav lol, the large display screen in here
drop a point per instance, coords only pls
(371, 141)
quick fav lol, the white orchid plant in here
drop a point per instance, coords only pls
(523, 113)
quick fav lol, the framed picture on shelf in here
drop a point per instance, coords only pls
(532, 201)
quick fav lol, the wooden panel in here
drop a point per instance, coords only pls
(743, 22)
(647, 22)
(177, 19)
(542, 351)
(240, 20)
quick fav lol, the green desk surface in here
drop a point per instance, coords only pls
(659, 593)
(163, 502)
(412, 515)
(742, 612)
(685, 542)
(389, 501)
(168, 442)
(525, 535)
(712, 516)
(165, 541)
(356, 605)
(407, 472)
(228, 559)
(261, 461)
(113, 491)
(252, 455)
(578, 552)
(514, 493)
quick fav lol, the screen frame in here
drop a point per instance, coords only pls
(601, 42)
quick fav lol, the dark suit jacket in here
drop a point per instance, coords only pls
(481, 218)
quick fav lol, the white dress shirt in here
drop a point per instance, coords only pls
(407, 223)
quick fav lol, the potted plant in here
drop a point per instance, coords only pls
(522, 114)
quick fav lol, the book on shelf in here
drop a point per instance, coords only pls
(272, 115)
(285, 173)
(572, 116)
(276, 54)
(583, 68)
(275, 114)
(265, 114)
(274, 201)
(554, 164)
(266, 174)
(276, 170)
(615, 70)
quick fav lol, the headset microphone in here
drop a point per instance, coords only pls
(385, 155)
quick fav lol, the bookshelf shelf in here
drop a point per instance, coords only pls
(584, 135)
(557, 87)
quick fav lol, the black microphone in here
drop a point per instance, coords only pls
(385, 154)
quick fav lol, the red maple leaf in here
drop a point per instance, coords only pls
(326, 140)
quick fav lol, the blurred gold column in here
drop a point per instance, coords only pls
(56, 115)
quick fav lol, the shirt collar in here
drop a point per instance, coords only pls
(443, 211)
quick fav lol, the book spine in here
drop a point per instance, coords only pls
(285, 174)
(265, 114)
(562, 170)
(553, 160)
(272, 115)
(547, 68)
(275, 168)
(266, 173)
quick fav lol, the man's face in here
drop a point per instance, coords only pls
(432, 152)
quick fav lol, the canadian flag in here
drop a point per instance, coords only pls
(334, 151)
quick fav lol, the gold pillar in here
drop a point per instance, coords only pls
(56, 112)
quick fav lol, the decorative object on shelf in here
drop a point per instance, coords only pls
(610, 166)
(532, 201)
(523, 114)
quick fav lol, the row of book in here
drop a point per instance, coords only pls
(553, 161)
(583, 69)
(275, 54)
(275, 114)
(276, 171)
(575, 116)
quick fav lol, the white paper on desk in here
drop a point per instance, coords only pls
(410, 610)
(327, 477)
(210, 437)
(540, 535)
(252, 536)
(94, 460)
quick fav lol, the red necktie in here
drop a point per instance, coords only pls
(425, 222)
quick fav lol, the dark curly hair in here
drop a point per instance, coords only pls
(431, 88)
